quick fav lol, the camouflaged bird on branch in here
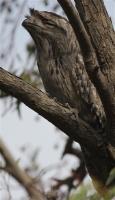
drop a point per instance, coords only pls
(72, 73)
(61, 65)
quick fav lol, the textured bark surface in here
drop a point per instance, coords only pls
(100, 66)
(99, 26)
(98, 158)
(62, 116)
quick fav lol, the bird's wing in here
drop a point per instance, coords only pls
(86, 90)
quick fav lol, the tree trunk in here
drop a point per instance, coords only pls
(96, 37)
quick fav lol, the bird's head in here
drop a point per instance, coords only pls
(49, 30)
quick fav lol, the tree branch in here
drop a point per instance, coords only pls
(90, 58)
(88, 51)
(96, 21)
(78, 26)
(99, 26)
(20, 175)
(65, 118)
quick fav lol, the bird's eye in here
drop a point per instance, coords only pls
(50, 24)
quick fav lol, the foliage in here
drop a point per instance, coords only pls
(82, 193)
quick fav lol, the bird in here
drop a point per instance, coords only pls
(61, 66)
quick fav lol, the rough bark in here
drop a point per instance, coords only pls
(88, 51)
(66, 119)
(96, 37)
(62, 116)
(100, 29)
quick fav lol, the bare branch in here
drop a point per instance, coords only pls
(66, 119)
(13, 169)
(99, 26)
(97, 21)
(78, 26)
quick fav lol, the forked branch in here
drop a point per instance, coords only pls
(62, 116)
(96, 47)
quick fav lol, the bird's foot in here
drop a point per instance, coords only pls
(67, 105)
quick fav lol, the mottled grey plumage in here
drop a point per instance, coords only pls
(61, 65)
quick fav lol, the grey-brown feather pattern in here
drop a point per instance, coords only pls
(61, 65)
